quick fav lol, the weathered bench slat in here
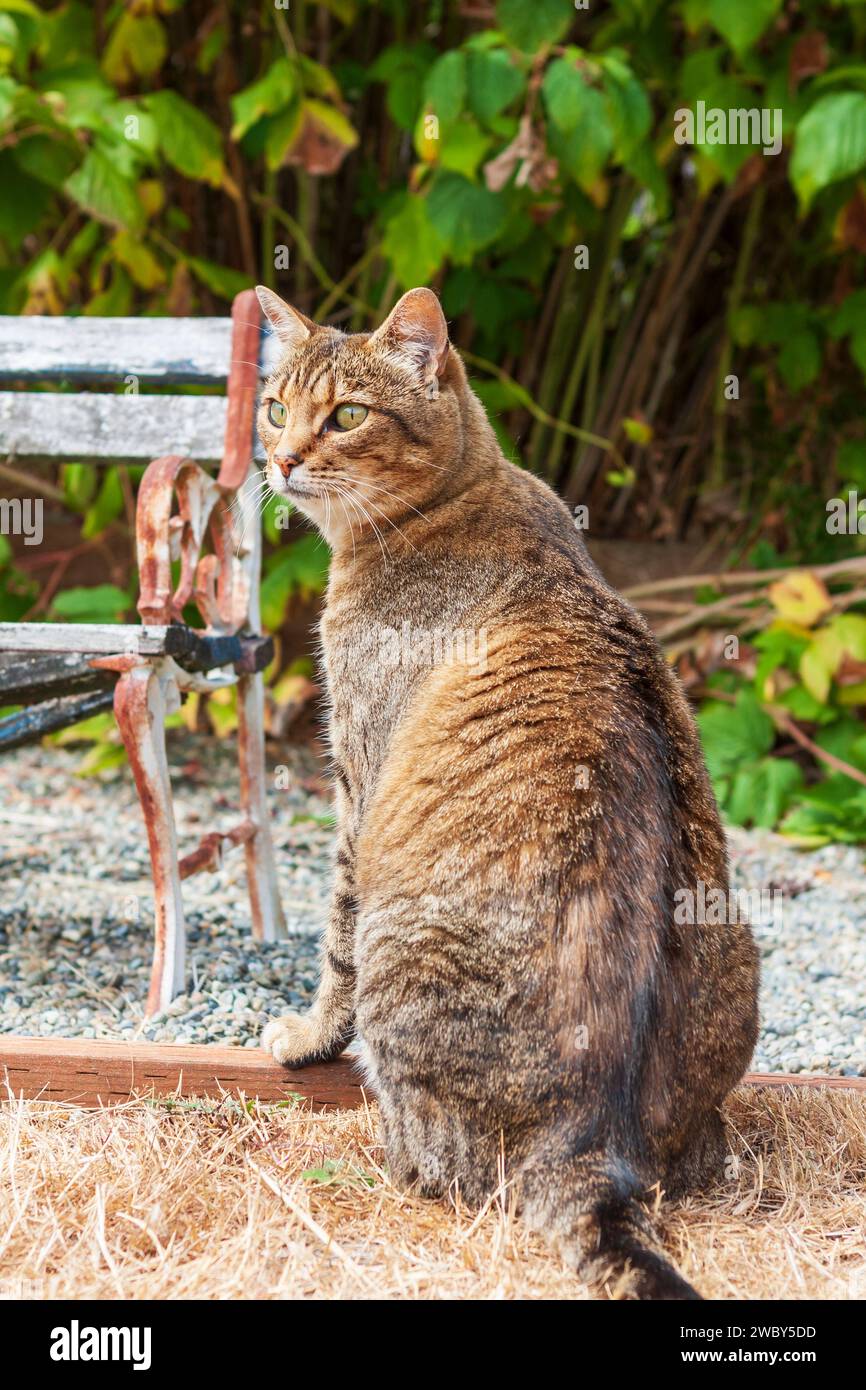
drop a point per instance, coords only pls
(123, 429)
(110, 350)
(92, 639)
(26, 679)
(30, 725)
(193, 649)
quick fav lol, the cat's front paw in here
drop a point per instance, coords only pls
(298, 1040)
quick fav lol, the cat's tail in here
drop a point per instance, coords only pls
(587, 1207)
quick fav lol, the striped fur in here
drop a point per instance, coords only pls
(511, 832)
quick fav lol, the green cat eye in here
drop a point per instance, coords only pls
(348, 417)
(277, 414)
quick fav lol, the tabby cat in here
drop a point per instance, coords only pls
(515, 816)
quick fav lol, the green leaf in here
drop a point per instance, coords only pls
(24, 202)
(803, 706)
(565, 91)
(402, 67)
(844, 739)
(621, 477)
(22, 7)
(412, 244)
(189, 140)
(462, 147)
(316, 80)
(849, 315)
(638, 431)
(46, 158)
(494, 81)
(301, 567)
(98, 188)
(799, 360)
(818, 665)
(466, 217)
(830, 144)
(851, 463)
(139, 260)
(529, 24)
(628, 106)
(98, 728)
(833, 811)
(846, 633)
(103, 757)
(17, 38)
(584, 149)
(726, 94)
(445, 88)
(108, 506)
(735, 734)
(282, 132)
(79, 484)
(761, 792)
(103, 603)
(779, 646)
(742, 22)
(67, 34)
(220, 279)
(137, 48)
(272, 93)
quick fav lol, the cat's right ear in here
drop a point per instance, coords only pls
(291, 327)
(416, 329)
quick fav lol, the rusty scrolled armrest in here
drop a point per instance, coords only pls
(216, 582)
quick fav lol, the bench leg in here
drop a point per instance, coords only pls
(267, 913)
(140, 706)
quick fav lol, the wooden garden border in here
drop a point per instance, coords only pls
(96, 1073)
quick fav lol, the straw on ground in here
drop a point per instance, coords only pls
(207, 1200)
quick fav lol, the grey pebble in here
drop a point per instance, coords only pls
(75, 963)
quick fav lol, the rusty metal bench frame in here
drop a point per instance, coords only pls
(180, 509)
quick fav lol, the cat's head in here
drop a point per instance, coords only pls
(358, 428)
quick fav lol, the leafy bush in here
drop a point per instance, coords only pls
(807, 666)
(671, 334)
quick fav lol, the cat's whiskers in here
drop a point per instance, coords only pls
(249, 504)
(245, 503)
(377, 487)
(351, 528)
(249, 491)
(365, 515)
(385, 517)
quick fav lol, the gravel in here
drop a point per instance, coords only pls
(76, 916)
(77, 910)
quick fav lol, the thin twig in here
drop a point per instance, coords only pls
(31, 483)
(741, 579)
(785, 723)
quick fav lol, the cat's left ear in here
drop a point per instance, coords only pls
(291, 326)
(416, 330)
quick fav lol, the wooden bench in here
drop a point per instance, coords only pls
(192, 511)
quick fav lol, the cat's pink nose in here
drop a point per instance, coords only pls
(286, 462)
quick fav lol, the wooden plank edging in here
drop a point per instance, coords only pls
(103, 1072)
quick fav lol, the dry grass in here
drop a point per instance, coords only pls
(149, 1201)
